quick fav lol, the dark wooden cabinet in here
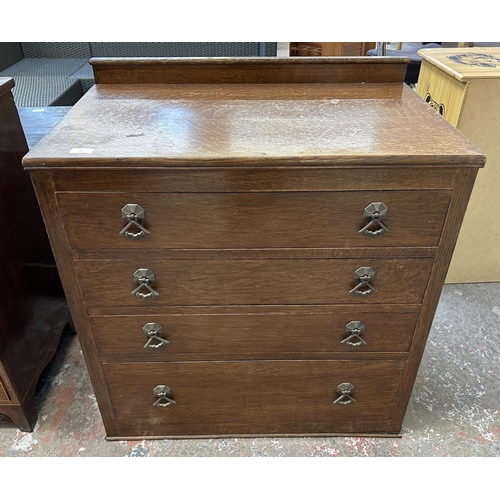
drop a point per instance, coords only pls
(252, 247)
(33, 310)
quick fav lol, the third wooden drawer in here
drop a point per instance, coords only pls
(239, 333)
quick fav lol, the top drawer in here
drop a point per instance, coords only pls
(253, 220)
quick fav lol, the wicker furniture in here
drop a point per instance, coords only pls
(58, 73)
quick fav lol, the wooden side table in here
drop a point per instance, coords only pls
(33, 310)
(463, 85)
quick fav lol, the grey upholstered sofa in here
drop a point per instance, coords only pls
(58, 73)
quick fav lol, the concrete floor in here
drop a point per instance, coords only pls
(454, 409)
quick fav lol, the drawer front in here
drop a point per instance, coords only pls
(237, 335)
(252, 220)
(238, 282)
(3, 393)
(259, 397)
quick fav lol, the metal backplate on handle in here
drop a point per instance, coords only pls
(344, 390)
(375, 213)
(162, 392)
(134, 215)
(154, 332)
(355, 329)
(363, 276)
(145, 278)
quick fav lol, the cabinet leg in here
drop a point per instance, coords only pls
(23, 416)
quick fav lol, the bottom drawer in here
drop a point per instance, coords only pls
(257, 397)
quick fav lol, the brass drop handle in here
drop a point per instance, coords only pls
(154, 332)
(145, 278)
(355, 329)
(134, 215)
(162, 392)
(375, 213)
(345, 397)
(363, 276)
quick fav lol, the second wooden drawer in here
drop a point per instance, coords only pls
(238, 282)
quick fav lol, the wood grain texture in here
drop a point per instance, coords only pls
(24, 225)
(108, 128)
(253, 220)
(253, 398)
(238, 282)
(237, 335)
(37, 122)
(267, 434)
(23, 415)
(443, 90)
(262, 91)
(241, 435)
(262, 253)
(259, 164)
(3, 393)
(32, 308)
(273, 356)
(151, 310)
(12, 147)
(28, 350)
(234, 180)
(248, 70)
(26, 358)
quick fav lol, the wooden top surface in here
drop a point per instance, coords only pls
(251, 124)
(465, 64)
(6, 83)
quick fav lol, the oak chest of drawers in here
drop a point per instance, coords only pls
(252, 246)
